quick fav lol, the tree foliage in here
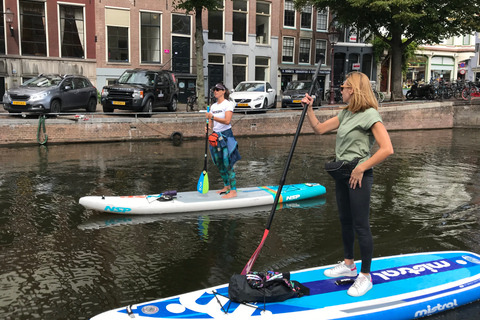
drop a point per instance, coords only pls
(197, 7)
(401, 22)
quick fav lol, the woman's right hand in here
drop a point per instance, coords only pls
(307, 100)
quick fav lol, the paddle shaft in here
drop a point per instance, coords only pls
(206, 143)
(250, 263)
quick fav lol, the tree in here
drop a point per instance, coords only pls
(401, 22)
(197, 6)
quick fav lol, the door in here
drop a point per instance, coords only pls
(68, 96)
(215, 75)
(186, 88)
(181, 54)
(83, 92)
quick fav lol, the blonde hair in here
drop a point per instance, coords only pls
(363, 96)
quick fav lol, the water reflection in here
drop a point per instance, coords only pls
(55, 264)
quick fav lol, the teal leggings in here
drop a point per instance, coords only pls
(226, 171)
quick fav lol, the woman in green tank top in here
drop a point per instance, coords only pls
(359, 126)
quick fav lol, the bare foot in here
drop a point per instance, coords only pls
(225, 189)
(231, 194)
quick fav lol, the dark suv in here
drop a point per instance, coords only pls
(295, 91)
(51, 93)
(141, 90)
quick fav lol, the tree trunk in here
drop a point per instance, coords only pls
(397, 53)
(199, 56)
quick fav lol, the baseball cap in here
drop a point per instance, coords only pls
(220, 86)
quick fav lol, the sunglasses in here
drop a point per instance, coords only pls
(342, 87)
(216, 89)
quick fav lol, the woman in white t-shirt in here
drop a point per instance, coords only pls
(225, 154)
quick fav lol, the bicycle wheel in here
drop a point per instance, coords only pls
(465, 94)
(192, 104)
(381, 96)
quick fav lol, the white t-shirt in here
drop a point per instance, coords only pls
(218, 110)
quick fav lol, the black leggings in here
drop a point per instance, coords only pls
(354, 208)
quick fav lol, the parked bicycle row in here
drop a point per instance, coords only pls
(442, 90)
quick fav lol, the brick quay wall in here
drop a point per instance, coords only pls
(97, 127)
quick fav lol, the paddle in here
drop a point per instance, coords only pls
(250, 262)
(202, 185)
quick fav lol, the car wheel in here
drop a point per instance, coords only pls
(55, 107)
(107, 109)
(92, 105)
(275, 103)
(173, 106)
(148, 108)
(265, 104)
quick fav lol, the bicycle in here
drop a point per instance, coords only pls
(379, 95)
(192, 103)
(470, 90)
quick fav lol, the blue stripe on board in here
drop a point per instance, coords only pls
(408, 272)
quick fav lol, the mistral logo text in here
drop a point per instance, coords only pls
(412, 270)
(439, 307)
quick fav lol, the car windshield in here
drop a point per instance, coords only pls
(299, 85)
(43, 81)
(248, 86)
(131, 77)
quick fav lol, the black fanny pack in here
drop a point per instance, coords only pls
(341, 169)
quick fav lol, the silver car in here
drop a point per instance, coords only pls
(51, 93)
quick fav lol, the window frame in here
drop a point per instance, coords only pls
(237, 64)
(21, 29)
(266, 40)
(293, 49)
(160, 37)
(266, 68)
(108, 44)
(222, 32)
(60, 42)
(300, 53)
(294, 14)
(303, 14)
(235, 11)
(324, 50)
(325, 14)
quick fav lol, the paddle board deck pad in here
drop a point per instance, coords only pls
(404, 287)
(107, 220)
(194, 201)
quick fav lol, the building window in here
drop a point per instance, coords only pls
(181, 24)
(466, 40)
(320, 49)
(304, 56)
(287, 50)
(306, 18)
(215, 24)
(240, 14)
(72, 31)
(289, 14)
(262, 67)
(263, 23)
(322, 20)
(117, 44)
(367, 64)
(2, 32)
(150, 37)
(32, 28)
(239, 64)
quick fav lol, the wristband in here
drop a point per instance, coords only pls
(213, 116)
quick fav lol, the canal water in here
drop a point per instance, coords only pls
(61, 261)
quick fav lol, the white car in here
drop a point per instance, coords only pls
(254, 95)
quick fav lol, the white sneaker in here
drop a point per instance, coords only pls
(361, 286)
(341, 270)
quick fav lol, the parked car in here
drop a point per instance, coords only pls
(51, 93)
(254, 95)
(141, 90)
(295, 92)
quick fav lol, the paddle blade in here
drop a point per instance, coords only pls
(203, 185)
(250, 262)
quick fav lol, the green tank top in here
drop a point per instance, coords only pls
(354, 135)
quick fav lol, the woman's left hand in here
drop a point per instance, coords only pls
(208, 115)
(356, 178)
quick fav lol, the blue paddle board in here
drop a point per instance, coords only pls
(404, 287)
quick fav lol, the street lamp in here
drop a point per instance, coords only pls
(9, 19)
(333, 36)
